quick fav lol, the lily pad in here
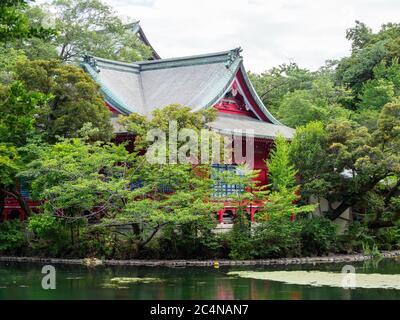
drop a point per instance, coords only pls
(331, 279)
(135, 280)
(113, 286)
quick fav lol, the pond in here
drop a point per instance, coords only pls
(23, 281)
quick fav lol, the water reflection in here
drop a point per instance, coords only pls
(23, 281)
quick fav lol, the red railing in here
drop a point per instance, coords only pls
(12, 209)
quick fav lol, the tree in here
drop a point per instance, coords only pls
(78, 180)
(360, 35)
(91, 27)
(9, 57)
(281, 201)
(369, 51)
(349, 165)
(105, 185)
(321, 102)
(17, 121)
(75, 99)
(280, 170)
(376, 93)
(383, 88)
(274, 84)
(15, 24)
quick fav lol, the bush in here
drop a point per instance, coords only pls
(388, 238)
(44, 226)
(354, 238)
(276, 238)
(99, 242)
(12, 236)
(50, 235)
(193, 240)
(239, 239)
(318, 236)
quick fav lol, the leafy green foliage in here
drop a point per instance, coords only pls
(90, 27)
(346, 164)
(75, 101)
(281, 172)
(276, 239)
(92, 183)
(239, 239)
(193, 240)
(9, 165)
(12, 236)
(282, 204)
(318, 236)
(15, 24)
(274, 84)
(9, 57)
(17, 110)
(321, 102)
(43, 225)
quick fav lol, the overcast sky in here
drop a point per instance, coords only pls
(270, 32)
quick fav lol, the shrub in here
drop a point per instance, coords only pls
(318, 236)
(388, 238)
(355, 238)
(12, 236)
(276, 238)
(44, 226)
(192, 240)
(239, 239)
(50, 235)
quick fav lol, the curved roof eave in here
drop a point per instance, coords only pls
(256, 98)
(108, 95)
(225, 88)
(228, 132)
(253, 93)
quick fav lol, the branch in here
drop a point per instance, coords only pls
(153, 233)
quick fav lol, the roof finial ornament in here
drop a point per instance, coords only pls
(232, 56)
(91, 61)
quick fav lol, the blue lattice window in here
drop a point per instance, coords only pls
(165, 189)
(136, 185)
(24, 188)
(140, 184)
(222, 189)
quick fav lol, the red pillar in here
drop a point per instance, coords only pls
(253, 211)
(221, 216)
(5, 214)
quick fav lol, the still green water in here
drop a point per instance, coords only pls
(23, 281)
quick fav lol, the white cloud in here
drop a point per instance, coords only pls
(271, 32)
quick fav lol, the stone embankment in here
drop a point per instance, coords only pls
(203, 263)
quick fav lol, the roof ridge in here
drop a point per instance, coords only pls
(229, 56)
(115, 62)
(235, 52)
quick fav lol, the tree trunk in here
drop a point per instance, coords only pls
(24, 206)
(350, 200)
(336, 213)
(22, 203)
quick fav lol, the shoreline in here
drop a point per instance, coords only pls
(202, 263)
